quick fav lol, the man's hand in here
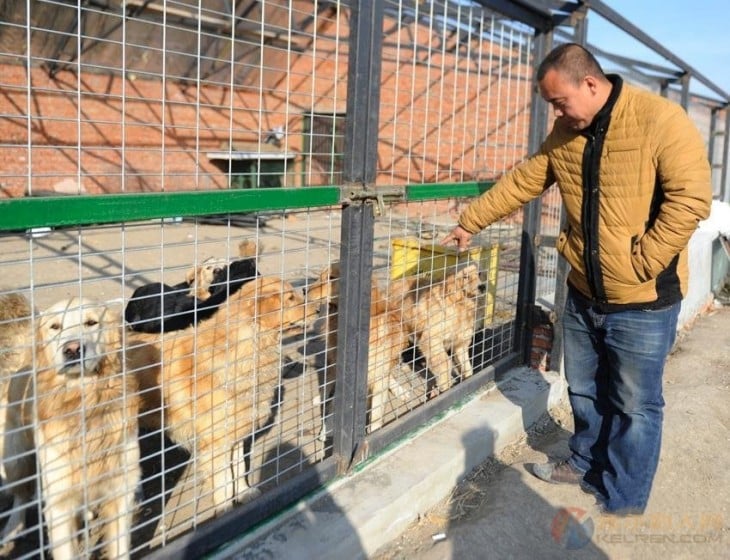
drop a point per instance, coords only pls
(458, 235)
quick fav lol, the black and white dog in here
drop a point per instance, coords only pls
(158, 307)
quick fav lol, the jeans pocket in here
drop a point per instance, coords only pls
(574, 303)
(570, 304)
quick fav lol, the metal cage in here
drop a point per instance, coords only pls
(221, 226)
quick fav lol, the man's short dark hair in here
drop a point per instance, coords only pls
(571, 60)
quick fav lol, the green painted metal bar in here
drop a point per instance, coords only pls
(446, 190)
(59, 211)
(24, 213)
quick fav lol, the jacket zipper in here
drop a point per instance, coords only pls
(591, 257)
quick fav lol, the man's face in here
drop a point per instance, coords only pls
(575, 104)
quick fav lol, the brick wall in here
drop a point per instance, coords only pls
(444, 118)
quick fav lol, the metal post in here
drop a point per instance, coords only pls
(361, 144)
(711, 148)
(580, 25)
(713, 132)
(580, 33)
(531, 214)
(664, 88)
(685, 90)
(724, 188)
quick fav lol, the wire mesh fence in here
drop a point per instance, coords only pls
(281, 419)
(233, 399)
(174, 360)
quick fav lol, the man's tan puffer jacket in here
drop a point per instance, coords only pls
(654, 187)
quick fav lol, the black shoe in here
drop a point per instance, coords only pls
(593, 484)
(561, 472)
(621, 512)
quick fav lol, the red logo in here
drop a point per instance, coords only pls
(572, 528)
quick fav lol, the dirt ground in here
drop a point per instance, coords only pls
(501, 511)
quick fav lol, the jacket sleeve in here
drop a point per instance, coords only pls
(683, 172)
(520, 185)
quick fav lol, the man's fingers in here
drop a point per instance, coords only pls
(448, 239)
(459, 237)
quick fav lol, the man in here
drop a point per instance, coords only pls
(633, 173)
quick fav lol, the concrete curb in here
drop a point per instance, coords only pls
(357, 515)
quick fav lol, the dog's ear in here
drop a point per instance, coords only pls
(469, 280)
(15, 307)
(247, 248)
(190, 275)
(48, 326)
(111, 336)
(269, 310)
(331, 273)
(111, 322)
(334, 270)
(43, 343)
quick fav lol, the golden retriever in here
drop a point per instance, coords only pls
(74, 407)
(441, 317)
(214, 383)
(387, 340)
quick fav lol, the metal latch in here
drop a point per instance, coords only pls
(369, 193)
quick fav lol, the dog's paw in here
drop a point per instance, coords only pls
(248, 495)
(325, 432)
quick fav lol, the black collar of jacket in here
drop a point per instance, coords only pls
(599, 124)
(595, 135)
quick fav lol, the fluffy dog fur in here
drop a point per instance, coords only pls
(441, 318)
(201, 278)
(159, 307)
(78, 412)
(16, 341)
(387, 340)
(214, 383)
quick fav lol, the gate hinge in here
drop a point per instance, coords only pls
(370, 193)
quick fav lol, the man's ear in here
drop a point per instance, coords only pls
(592, 83)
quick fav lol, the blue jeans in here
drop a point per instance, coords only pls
(614, 364)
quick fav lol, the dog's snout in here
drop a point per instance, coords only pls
(72, 351)
(482, 288)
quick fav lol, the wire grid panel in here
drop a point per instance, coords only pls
(169, 96)
(547, 256)
(172, 95)
(247, 371)
(455, 107)
(455, 310)
(456, 92)
(279, 416)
